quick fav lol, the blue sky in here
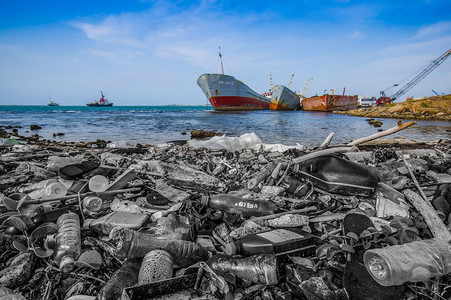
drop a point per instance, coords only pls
(152, 52)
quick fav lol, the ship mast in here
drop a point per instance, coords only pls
(220, 57)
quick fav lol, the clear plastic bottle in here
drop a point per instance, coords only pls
(414, 262)
(55, 163)
(133, 244)
(125, 276)
(53, 190)
(98, 183)
(439, 177)
(68, 241)
(295, 187)
(238, 205)
(116, 219)
(28, 188)
(259, 269)
(278, 242)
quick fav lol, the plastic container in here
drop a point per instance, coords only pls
(68, 241)
(237, 205)
(390, 202)
(125, 276)
(55, 163)
(92, 204)
(34, 209)
(278, 242)
(53, 190)
(116, 219)
(259, 269)
(156, 265)
(439, 177)
(98, 183)
(51, 215)
(132, 244)
(414, 262)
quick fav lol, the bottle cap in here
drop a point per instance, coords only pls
(230, 248)
(204, 200)
(87, 223)
(67, 264)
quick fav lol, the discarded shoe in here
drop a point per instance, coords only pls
(75, 171)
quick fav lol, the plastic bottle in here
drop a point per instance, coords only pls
(35, 186)
(439, 177)
(68, 241)
(98, 183)
(51, 215)
(414, 262)
(55, 163)
(122, 219)
(237, 205)
(53, 190)
(156, 265)
(92, 204)
(132, 244)
(125, 276)
(32, 210)
(259, 269)
(278, 242)
(390, 202)
(295, 187)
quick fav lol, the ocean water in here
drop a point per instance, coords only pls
(158, 124)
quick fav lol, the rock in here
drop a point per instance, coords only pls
(201, 134)
(35, 127)
(19, 271)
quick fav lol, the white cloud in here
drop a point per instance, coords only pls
(357, 35)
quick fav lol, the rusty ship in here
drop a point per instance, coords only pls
(284, 99)
(226, 93)
(329, 103)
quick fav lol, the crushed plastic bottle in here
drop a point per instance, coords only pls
(132, 244)
(278, 242)
(415, 262)
(92, 204)
(53, 190)
(260, 269)
(238, 205)
(68, 241)
(55, 163)
(116, 219)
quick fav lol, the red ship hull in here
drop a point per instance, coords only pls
(233, 103)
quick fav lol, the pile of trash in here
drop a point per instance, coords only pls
(182, 221)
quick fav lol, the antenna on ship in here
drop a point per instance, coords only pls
(270, 79)
(220, 57)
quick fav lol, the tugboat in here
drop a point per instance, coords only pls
(102, 102)
(51, 103)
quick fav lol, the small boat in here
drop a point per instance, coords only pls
(51, 103)
(102, 102)
(284, 99)
(227, 93)
(330, 103)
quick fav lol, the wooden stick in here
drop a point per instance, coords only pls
(295, 211)
(435, 224)
(415, 181)
(328, 218)
(400, 126)
(326, 142)
(321, 153)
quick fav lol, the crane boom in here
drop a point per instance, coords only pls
(431, 67)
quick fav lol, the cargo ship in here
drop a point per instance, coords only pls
(329, 103)
(226, 93)
(102, 102)
(284, 99)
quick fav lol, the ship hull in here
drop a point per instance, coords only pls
(226, 93)
(284, 99)
(330, 103)
(100, 105)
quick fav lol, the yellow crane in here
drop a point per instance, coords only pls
(291, 80)
(303, 94)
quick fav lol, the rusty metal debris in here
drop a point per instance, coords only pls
(188, 222)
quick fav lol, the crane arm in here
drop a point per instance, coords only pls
(431, 67)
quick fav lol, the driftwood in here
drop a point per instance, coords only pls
(415, 181)
(295, 211)
(253, 182)
(326, 141)
(400, 127)
(321, 153)
(435, 224)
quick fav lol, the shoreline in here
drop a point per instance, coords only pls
(427, 109)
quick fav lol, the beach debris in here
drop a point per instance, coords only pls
(224, 218)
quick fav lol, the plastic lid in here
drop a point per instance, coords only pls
(67, 264)
(231, 248)
(204, 200)
(87, 223)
